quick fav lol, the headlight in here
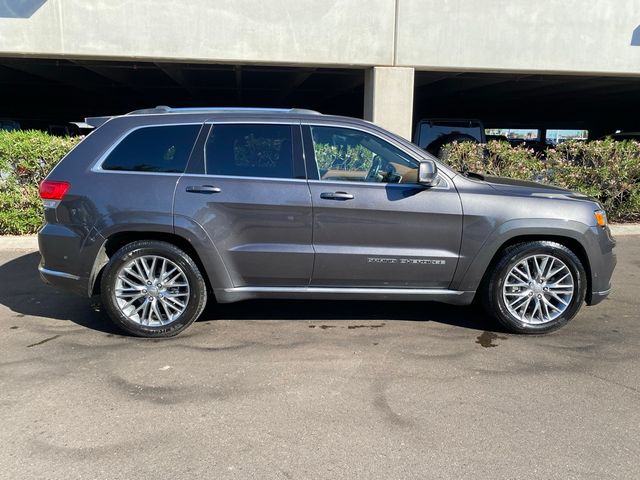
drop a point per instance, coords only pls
(601, 217)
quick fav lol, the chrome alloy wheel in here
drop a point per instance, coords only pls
(152, 290)
(538, 289)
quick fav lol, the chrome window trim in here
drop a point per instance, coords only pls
(244, 177)
(134, 172)
(96, 167)
(392, 141)
(446, 185)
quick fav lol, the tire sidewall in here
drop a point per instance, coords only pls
(136, 250)
(540, 248)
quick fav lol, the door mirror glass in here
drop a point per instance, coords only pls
(427, 172)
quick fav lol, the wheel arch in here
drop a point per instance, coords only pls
(117, 240)
(571, 243)
(568, 235)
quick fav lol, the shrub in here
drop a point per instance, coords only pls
(26, 157)
(494, 158)
(606, 170)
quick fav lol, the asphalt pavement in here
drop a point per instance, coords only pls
(317, 390)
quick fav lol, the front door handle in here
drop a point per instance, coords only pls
(336, 196)
(203, 189)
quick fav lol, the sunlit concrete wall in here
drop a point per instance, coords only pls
(335, 32)
(552, 36)
(598, 36)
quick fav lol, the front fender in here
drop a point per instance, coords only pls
(479, 256)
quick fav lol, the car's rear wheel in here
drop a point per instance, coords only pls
(535, 287)
(153, 289)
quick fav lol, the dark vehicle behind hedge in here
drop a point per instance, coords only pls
(435, 134)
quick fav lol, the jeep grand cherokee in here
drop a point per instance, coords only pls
(163, 208)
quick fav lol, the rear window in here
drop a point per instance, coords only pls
(163, 149)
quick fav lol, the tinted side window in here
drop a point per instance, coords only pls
(250, 151)
(351, 155)
(154, 149)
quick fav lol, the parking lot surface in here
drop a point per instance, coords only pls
(311, 389)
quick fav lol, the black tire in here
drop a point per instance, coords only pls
(492, 291)
(197, 297)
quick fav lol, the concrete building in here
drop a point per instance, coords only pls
(552, 63)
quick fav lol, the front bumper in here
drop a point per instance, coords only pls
(597, 297)
(603, 261)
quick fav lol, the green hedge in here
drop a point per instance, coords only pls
(606, 170)
(26, 157)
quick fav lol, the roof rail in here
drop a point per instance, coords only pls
(166, 109)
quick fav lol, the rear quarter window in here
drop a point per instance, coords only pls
(163, 149)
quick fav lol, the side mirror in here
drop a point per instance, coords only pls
(427, 172)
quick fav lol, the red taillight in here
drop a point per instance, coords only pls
(52, 190)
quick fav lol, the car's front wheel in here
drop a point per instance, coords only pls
(153, 289)
(535, 287)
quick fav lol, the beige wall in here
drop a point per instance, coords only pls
(582, 36)
(516, 35)
(271, 31)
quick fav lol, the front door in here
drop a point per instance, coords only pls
(374, 225)
(253, 201)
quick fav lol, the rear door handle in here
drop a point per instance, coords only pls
(203, 189)
(336, 196)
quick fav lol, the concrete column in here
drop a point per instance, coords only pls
(388, 98)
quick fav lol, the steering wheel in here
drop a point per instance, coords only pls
(372, 174)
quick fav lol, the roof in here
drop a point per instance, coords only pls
(163, 109)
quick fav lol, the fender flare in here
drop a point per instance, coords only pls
(185, 229)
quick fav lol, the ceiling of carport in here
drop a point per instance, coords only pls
(41, 91)
(599, 103)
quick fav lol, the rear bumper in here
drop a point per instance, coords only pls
(45, 273)
(66, 261)
(597, 297)
(67, 281)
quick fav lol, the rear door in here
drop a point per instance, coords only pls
(374, 225)
(251, 197)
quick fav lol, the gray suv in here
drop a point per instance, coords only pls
(161, 209)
